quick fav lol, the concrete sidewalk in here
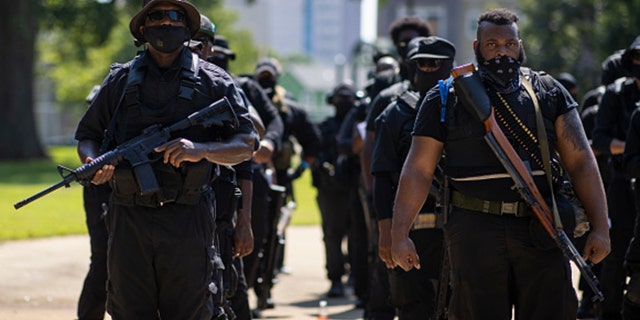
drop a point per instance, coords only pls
(41, 279)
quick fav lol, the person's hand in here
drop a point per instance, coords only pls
(180, 150)
(102, 175)
(242, 240)
(384, 250)
(404, 254)
(264, 152)
(597, 247)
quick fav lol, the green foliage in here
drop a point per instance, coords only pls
(79, 40)
(61, 212)
(577, 35)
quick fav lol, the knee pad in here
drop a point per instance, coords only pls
(633, 290)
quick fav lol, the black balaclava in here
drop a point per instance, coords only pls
(220, 61)
(343, 105)
(165, 38)
(635, 71)
(269, 85)
(423, 81)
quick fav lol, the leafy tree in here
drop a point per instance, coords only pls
(18, 27)
(575, 36)
(74, 42)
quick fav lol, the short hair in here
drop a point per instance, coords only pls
(499, 16)
(409, 23)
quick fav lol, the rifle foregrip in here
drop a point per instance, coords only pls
(87, 171)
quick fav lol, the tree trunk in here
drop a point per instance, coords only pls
(18, 30)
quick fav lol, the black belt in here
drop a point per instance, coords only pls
(516, 208)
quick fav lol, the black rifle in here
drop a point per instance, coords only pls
(473, 95)
(267, 262)
(139, 151)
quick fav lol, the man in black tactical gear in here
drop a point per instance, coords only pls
(496, 266)
(401, 32)
(335, 178)
(202, 42)
(248, 171)
(622, 99)
(265, 215)
(414, 292)
(151, 235)
(93, 297)
(609, 135)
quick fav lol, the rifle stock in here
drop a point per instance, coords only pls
(521, 176)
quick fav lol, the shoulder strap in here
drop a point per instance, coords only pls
(410, 98)
(134, 78)
(189, 77)
(544, 148)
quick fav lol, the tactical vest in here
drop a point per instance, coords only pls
(626, 101)
(183, 185)
(406, 107)
(471, 164)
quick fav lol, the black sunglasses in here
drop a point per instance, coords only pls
(428, 63)
(158, 15)
(203, 39)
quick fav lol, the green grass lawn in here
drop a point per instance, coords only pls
(61, 212)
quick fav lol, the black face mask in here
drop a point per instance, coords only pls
(423, 81)
(166, 39)
(220, 62)
(504, 69)
(635, 71)
(267, 83)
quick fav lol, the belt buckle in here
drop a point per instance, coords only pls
(509, 207)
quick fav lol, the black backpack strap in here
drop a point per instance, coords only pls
(130, 95)
(188, 78)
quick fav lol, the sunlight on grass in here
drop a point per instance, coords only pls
(61, 212)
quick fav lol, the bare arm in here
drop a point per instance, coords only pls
(415, 181)
(229, 152)
(574, 149)
(365, 159)
(243, 235)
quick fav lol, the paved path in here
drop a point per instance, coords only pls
(41, 279)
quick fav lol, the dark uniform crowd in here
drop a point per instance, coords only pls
(405, 172)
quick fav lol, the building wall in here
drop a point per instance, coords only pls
(319, 29)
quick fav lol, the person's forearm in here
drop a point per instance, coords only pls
(87, 149)
(244, 213)
(411, 194)
(588, 187)
(233, 151)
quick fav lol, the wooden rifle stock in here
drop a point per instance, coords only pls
(529, 191)
(524, 183)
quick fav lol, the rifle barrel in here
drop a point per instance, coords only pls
(64, 182)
